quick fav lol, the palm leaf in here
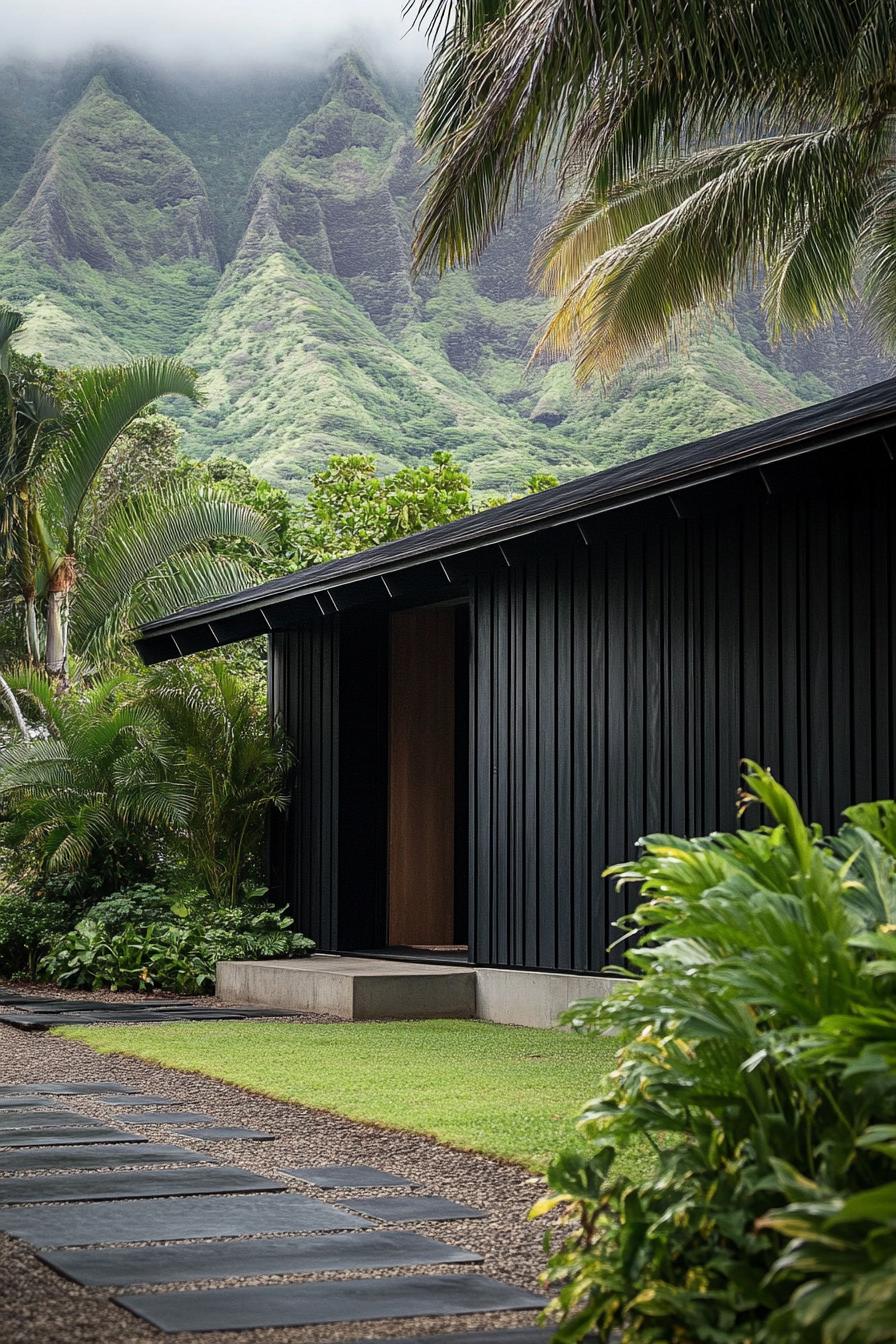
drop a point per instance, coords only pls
(152, 557)
(105, 401)
(10, 323)
(742, 219)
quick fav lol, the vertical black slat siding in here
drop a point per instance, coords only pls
(643, 666)
(303, 695)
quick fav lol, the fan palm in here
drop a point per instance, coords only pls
(699, 145)
(95, 789)
(152, 552)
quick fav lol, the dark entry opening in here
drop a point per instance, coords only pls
(403, 784)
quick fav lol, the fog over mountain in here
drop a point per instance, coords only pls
(229, 32)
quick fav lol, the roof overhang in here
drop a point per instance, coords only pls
(434, 563)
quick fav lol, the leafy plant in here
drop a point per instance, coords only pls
(231, 766)
(95, 795)
(174, 952)
(28, 925)
(758, 1030)
(145, 903)
(147, 554)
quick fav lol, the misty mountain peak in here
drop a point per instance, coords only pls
(110, 190)
(352, 82)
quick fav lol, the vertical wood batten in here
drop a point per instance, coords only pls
(644, 666)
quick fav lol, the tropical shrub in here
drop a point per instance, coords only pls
(757, 1021)
(231, 769)
(144, 904)
(28, 926)
(176, 950)
(93, 793)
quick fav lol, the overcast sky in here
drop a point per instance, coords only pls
(232, 31)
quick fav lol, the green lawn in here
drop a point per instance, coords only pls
(512, 1092)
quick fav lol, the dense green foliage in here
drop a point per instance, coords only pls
(511, 1092)
(310, 333)
(757, 1028)
(141, 940)
(132, 776)
(80, 576)
(694, 150)
(28, 925)
(230, 766)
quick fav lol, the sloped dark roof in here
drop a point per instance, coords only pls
(676, 469)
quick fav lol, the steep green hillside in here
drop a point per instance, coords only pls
(112, 225)
(129, 188)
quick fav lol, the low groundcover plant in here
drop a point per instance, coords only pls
(757, 1023)
(142, 940)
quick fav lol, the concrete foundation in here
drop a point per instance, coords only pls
(362, 988)
(533, 998)
(354, 988)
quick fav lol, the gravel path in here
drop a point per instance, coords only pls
(37, 1305)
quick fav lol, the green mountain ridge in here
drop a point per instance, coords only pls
(314, 337)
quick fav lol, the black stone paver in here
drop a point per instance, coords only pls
(123, 1265)
(37, 1138)
(346, 1178)
(162, 1117)
(323, 1303)
(224, 1132)
(411, 1208)
(174, 1219)
(23, 1102)
(139, 1099)
(91, 1156)
(112, 1185)
(39, 1118)
(65, 1089)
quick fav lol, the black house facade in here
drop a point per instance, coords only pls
(487, 714)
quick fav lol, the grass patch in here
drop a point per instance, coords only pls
(511, 1092)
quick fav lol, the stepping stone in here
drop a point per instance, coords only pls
(131, 1185)
(124, 1265)
(137, 1100)
(175, 1220)
(349, 1178)
(387, 1299)
(224, 1132)
(411, 1208)
(92, 1156)
(24, 1103)
(163, 1118)
(40, 1119)
(66, 1089)
(36, 1138)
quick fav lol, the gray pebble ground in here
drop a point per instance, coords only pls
(38, 1306)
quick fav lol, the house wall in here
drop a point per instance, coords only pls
(617, 684)
(618, 673)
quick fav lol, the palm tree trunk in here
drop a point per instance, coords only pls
(54, 656)
(58, 599)
(32, 637)
(15, 711)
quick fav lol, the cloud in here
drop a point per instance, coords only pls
(239, 32)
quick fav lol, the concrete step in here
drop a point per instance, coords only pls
(353, 988)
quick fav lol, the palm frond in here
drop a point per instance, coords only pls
(532, 91)
(745, 217)
(878, 253)
(152, 556)
(105, 401)
(10, 323)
